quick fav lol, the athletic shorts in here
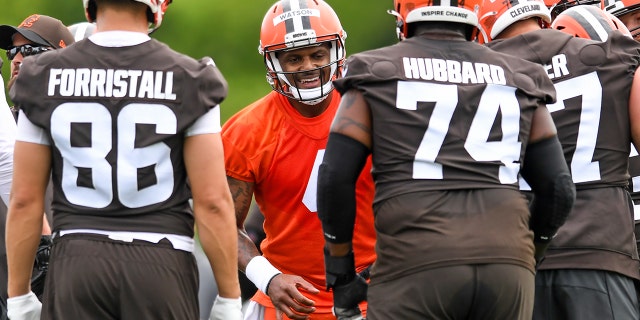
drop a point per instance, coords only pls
(482, 291)
(578, 294)
(93, 277)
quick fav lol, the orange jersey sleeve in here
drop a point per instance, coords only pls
(270, 144)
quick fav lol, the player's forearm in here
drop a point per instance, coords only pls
(242, 193)
(23, 229)
(246, 250)
(216, 229)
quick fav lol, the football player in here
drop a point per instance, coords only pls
(591, 265)
(449, 124)
(627, 11)
(273, 148)
(120, 121)
(36, 34)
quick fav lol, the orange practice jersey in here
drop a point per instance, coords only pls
(270, 144)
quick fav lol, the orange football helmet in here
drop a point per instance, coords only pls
(408, 11)
(496, 15)
(155, 13)
(588, 22)
(619, 8)
(295, 24)
(558, 6)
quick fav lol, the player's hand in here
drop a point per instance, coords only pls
(349, 288)
(41, 265)
(226, 309)
(348, 314)
(347, 297)
(284, 291)
(24, 307)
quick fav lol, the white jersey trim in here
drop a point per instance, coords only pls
(118, 38)
(29, 132)
(207, 123)
(179, 242)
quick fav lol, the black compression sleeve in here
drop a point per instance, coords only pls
(546, 171)
(343, 161)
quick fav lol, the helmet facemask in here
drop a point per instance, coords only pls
(562, 5)
(628, 13)
(300, 24)
(288, 84)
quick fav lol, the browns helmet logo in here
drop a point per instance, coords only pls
(29, 21)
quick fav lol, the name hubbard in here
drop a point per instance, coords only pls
(86, 82)
(453, 71)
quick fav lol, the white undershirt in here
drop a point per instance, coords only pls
(8, 131)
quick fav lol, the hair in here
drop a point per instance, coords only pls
(93, 6)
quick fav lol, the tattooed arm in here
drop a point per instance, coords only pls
(353, 118)
(283, 289)
(242, 193)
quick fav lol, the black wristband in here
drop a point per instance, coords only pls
(339, 270)
(269, 283)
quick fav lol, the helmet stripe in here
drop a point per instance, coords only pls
(446, 3)
(596, 27)
(296, 23)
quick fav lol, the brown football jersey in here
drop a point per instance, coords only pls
(446, 114)
(593, 82)
(450, 125)
(116, 118)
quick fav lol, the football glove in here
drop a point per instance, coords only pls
(24, 307)
(41, 265)
(226, 309)
(349, 288)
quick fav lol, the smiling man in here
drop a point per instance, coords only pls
(273, 148)
(36, 34)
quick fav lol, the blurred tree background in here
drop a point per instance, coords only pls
(226, 31)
